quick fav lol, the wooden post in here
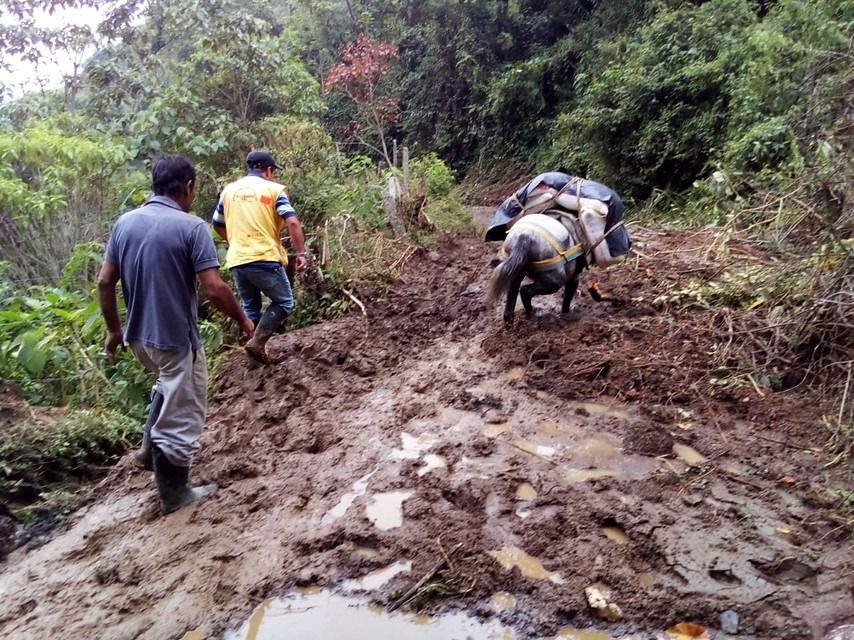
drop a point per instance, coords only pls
(406, 169)
(392, 198)
(394, 152)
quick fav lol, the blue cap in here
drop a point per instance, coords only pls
(261, 160)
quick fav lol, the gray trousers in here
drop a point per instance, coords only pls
(182, 379)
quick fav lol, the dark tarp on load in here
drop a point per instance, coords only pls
(618, 241)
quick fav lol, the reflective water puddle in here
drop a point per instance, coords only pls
(318, 614)
(580, 475)
(570, 633)
(495, 430)
(324, 615)
(501, 601)
(529, 566)
(516, 373)
(602, 409)
(432, 462)
(616, 534)
(412, 447)
(526, 492)
(366, 552)
(375, 579)
(533, 448)
(359, 489)
(646, 579)
(548, 427)
(599, 456)
(597, 449)
(689, 455)
(457, 420)
(385, 510)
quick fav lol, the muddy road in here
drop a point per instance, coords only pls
(572, 452)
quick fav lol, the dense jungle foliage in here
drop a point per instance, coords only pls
(729, 112)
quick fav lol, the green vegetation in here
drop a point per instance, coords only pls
(74, 448)
(728, 112)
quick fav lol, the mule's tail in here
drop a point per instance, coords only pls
(509, 269)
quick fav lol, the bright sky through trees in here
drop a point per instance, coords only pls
(23, 75)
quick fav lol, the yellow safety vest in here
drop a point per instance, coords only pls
(254, 227)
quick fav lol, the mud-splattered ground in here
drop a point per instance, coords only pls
(569, 452)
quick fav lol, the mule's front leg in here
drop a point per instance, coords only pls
(538, 288)
(512, 294)
(569, 290)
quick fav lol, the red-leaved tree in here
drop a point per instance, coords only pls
(362, 66)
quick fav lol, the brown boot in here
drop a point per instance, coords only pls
(269, 323)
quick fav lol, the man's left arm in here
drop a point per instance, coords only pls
(286, 210)
(218, 221)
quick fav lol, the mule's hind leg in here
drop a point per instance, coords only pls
(538, 288)
(569, 290)
(512, 294)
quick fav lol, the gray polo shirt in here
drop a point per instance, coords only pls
(158, 250)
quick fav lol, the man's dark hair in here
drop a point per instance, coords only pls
(170, 175)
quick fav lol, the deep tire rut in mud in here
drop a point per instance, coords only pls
(544, 454)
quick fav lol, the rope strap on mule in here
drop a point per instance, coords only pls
(574, 218)
(563, 255)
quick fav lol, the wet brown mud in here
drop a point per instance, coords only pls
(566, 453)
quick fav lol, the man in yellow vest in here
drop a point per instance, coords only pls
(250, 215)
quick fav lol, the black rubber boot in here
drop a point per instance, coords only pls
(142, 458)
(172, 484)
(269, 323)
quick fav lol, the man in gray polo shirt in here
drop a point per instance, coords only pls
(158, 251)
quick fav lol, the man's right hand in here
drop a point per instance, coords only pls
(223, 299)
(111, 344)
(247, 327)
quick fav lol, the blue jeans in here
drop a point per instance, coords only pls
(252, 280)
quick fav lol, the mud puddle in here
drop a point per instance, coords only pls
(571, 633)
(376, 579)
(528, 566)
(359, 488)
(324, 615)
(385, 510)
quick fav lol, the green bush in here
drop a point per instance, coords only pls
(51, 341)
(357, 165)
(307, 155)
(50, 345)
(438, 176)
(36, 457)
(766, 144)
(58, 190)
(450, 214)
(652, 105)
